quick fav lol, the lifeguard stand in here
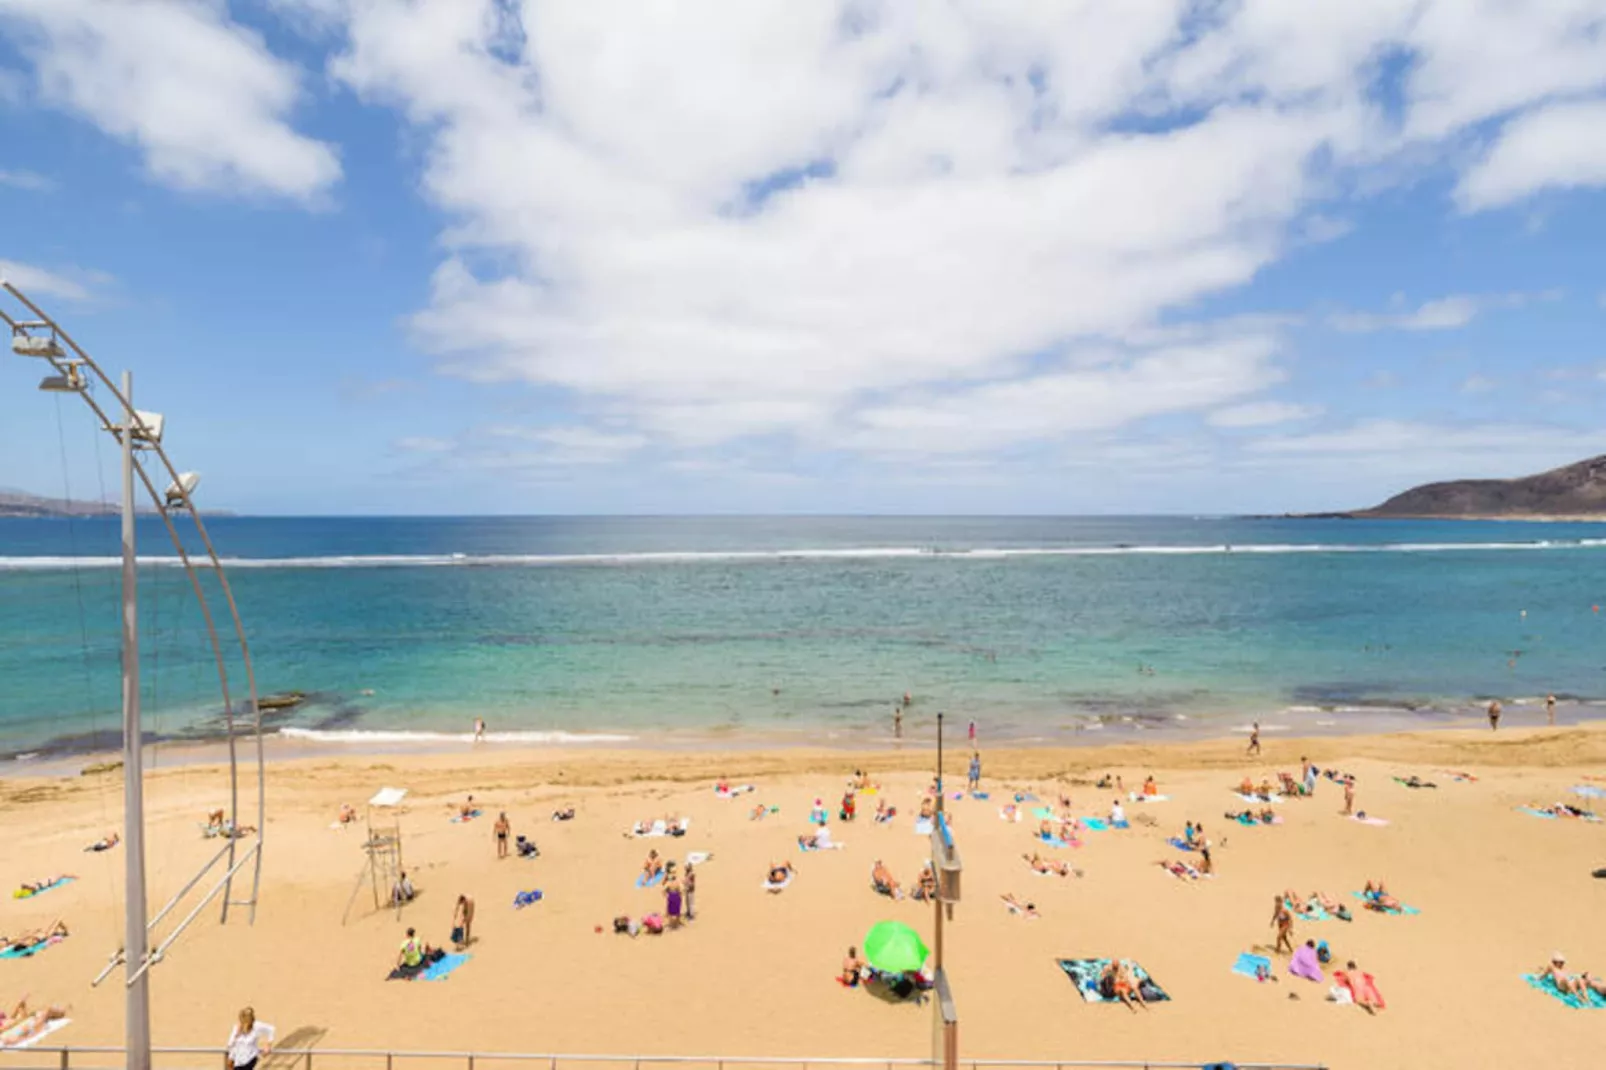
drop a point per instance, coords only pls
(382, 869)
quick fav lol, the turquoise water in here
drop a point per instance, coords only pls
(667, 628)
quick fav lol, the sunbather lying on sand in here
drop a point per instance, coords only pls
(35, 937)
(1178, 869)
(882, 880)
(779, 872)
(1019, 906)
(106, 842)
(1048, 865)
(1562, 809)
(23, 1024)
(28, 888)
(883, 812)
(1567, 984)
(1360, 986)
(1414, 781)
(566, 814)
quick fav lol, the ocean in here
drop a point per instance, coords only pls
(809, 629)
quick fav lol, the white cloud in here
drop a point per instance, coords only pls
(26, 180)
(423, 444)
(1261, 414)
(1443, 314)
(72, 284)
(1477, 384)
(201, 97)
(1557, 147)
(859, 227)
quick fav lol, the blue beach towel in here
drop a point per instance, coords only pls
(439, 971)
(1589, 791)
(1536, 813)
(15, 952)
(524, 899)
(1053, 841)
(1043, 813)
(979, 795)
(1084, 974)
(1025, 796)
(472, 814)
(1180, 844)
(1544, 984)
(1096, 824)
(1401, 910)
(1250, 965)
(643, 882)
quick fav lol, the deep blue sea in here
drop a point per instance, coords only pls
(810, 629)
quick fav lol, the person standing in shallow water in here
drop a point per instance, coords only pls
(897, 722)
(1550, 710)
(1494, 715)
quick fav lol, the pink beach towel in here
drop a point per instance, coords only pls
(1306, 965)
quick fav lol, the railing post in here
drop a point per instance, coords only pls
(66, 1061)
(390, 1060)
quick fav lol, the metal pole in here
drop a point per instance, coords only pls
(138, 1024)
(941, 790)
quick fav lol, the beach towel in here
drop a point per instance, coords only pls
(18, 1045)
(1543, 983)
(1005, 815)
(643, 882)
(17, 952)
(470, 816)
(1043, 813)
(1025, 796)
(731, 793)
(1052, 841)
(922, 828)
(777, 886)
(442, 967)
(1375, 822)
(1367, 985)
(1252, 966)
(1404, 783)
(1251, 821)
(1180, 844)
(697, 858)
(23, 893)
(1589, 791)
(662, 828)
(1138, 796)
(1310, 912)
(1548, 816)
(1272, 798)
(1304, 964)
(982, 795)
(1084, 974)
(815, 845)
(1097, 824)
(524, 899)
(1402, 909)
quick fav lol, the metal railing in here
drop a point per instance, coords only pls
(91, 1058)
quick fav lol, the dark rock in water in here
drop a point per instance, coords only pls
(1576, 491)
(100, 767)
(282, 701)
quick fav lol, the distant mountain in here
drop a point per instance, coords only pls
(15, 503)
(1577, 491)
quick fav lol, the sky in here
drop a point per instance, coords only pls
(762, 256)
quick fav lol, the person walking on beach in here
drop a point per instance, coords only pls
(1283, 919)
(1349, 796)
(897, 722)
(975, 771)
(1202, 844)
(501, 830)
(249, 1041)
(1494, 715)
(1550, 710)
(691, 891)
(479, 730)
(972, 735)
(1254, 738)
(463, 921)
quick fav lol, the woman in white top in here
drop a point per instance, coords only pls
(248, 1041)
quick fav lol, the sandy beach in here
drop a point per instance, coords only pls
(1498, 890)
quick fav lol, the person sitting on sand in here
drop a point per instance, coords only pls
(1150, 788)
(214, 819)
(926, 889)
(883, 812)
(928, 809)
(1266, 816)
(817, 816)
(722, 786)
(1246, 786)
(1019, 906)
(780, 872)
(1117, 813)
(465, 810)
(861, 781)
(651, 867)
(882, 880)
(1045, 829)
(1566, 983)
(1377, 897)
(1265, 791)
(414, 955)
(403, 891)
(106, 842)
(853, 968)
(758, 813)
(1117, 978)
(849, 807)
(348, 815)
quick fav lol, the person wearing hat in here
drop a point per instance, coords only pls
(1567, 984)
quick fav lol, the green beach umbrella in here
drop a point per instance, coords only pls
(893, 947)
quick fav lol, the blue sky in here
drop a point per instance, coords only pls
(461, 256)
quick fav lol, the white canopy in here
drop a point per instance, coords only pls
(388, 797)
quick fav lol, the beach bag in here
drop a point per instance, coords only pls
(1323, 955)
(457, 934)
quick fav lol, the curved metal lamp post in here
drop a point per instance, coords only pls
(139, 434)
